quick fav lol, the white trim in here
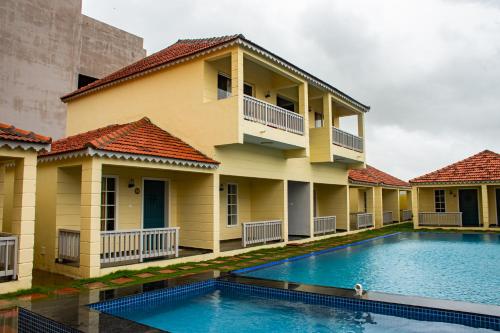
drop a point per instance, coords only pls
(25, 145)
(167, 203)
(237, 204)
(117, 196)
(135, 157)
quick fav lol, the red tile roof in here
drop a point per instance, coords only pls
(139, 138)
(482, 167)
(182, 48)
(11, 133)
(371, 175)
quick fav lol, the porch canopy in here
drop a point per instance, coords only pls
(124, 194)
(462, 194)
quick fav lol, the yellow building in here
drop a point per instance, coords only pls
(276, 172)
(465, 194)
(377, 199)
(18, 159)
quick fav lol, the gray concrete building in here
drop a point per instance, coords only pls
(49, 48)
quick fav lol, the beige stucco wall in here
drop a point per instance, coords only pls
(333, 200)
(390, 202)
(45, 44)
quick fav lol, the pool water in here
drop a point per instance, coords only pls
(228, 310)
(463, 267)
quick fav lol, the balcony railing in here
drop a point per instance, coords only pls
(361, 220)
(387, 217)
(69, 245)
(131, 245)
(406, 215)
(324, 224)
(8, 256)
(272, 115)
(347, 140)
(261, 232)
(440, 219)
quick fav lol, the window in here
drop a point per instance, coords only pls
(318, 120)
(247, 89)
(285, 103)
(365, 202)
(223, 86)
(108, 203)
(83, 80)
(232, 204)
(439, 201)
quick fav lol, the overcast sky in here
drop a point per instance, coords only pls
(430, 70)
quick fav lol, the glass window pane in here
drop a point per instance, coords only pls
(110, 212)
(248, 89)
(110, 198)
(111, 184)
(110, 225)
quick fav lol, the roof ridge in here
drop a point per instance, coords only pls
(16, 131)
(210, 39)
(120, 132)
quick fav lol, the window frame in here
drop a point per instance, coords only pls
(251, 86)
(104, 220)
(235, 205)
(443, 202)
(228, 93)
(321, 120)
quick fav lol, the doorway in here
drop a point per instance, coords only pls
(299, 209)
(155, 203)
(467, 201)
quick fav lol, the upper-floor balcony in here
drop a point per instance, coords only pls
(347, 140)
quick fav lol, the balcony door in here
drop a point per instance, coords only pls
(155, 203)
(468, 205)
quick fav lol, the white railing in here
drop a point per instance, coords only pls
(261, 232)
(440, 219)
(130, 245)
(272, 115)
(387, 217)
(8, 256)
(347, 140)
(406, 215)
(69, 245)
(324, 224)
(362, 220)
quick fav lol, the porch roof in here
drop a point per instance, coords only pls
(373, 176)
(131, 140)
(482, 167)
(15, 137)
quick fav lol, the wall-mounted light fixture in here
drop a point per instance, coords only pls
(221, 187)
(131, 183)
(268, 94)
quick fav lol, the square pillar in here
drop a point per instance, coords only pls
(23, 216)
(414, 205)
(90, 225)
(284, 192)
(216, 214)
(378, 206)
(485, 207)
(311, 209)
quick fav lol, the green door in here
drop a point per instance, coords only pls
(155, 208)
(467, 200)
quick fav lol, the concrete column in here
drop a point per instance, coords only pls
(414, 205)
(377, 206)
(23, 216)
(285, 209)
(216, 214)
(90, 225)
(485, 206)
(311, 209)
(2, 194)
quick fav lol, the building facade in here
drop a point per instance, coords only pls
(277, 168)
(465, 194)
(50, 48)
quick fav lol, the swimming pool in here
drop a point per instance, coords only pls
(464, 267)
(221, 306)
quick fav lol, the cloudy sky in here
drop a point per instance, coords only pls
(429, 69)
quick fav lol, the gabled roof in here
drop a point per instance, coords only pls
(15, 137)
(136, 140)
(373, 176)
(188, 48)
(482, 167)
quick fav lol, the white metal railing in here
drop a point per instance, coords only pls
(272, 115)
(324, 224)
(406, 215)
(387, 217)
(361, 220)
(347, 140)
(8, 256)
(440, 219)
(261, 232)
(69, 245)
(126, 245)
